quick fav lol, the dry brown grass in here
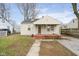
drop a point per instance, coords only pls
(15, 45)
(54, 49)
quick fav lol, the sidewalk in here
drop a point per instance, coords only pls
(72, 44)
(34, 51)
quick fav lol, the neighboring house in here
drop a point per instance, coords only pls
(44, 25)
(71, 25)
(17, 29)
(6, 26)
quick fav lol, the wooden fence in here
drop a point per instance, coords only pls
(71, 32)
(64, 31)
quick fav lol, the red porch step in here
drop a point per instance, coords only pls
(49, 36)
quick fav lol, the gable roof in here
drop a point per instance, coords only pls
(28, 21)
(47, 20)
(75, 19)
(5, 24)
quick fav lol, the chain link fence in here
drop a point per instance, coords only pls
(3, 33)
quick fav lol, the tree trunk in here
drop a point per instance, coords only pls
(78, 23)
(74, 6)
(77, 15)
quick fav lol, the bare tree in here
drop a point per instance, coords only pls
(75, 9)
(4, 12)
(28, 10)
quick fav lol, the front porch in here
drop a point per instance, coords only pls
(47, 29)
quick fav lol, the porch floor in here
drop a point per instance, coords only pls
(47, 36)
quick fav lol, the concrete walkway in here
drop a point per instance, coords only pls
(72, 44)
(34, 51)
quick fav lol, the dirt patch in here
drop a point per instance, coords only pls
(54, 48)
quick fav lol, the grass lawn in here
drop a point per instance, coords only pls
(15, 45)
(54, 48)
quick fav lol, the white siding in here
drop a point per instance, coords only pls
(24, 29)
(43, 22)
(34, 29)
(57, 29)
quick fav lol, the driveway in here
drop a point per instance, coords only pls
(71, 43)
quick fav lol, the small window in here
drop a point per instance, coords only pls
(29, 29)
(52, 29)
(65, 26)
(48, 28)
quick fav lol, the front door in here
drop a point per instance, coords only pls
(39, 29)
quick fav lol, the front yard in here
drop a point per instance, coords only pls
(15, 45)
(18, 45)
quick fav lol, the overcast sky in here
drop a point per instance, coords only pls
(62, 12)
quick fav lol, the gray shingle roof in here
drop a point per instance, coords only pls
(28, 21)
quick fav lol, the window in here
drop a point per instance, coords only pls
(65, 26)
(48, 28)
(29, 29)
(52, 28)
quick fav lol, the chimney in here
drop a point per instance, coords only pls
(42, 16)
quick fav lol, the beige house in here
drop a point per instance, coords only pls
(44, 25)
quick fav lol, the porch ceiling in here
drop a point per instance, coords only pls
(46, 23)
